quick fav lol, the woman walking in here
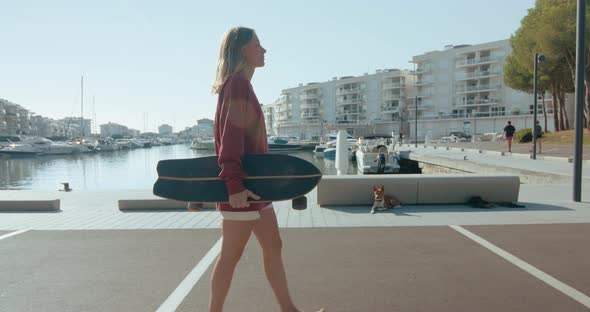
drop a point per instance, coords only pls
(240, 130)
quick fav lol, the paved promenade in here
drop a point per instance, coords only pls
(555, 150)
(92, 257)
(473, 158)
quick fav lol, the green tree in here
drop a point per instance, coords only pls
(549, 28)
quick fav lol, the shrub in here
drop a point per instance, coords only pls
(523, 135)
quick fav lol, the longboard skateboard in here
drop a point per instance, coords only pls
(273, 177)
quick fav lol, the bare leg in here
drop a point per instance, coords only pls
(235, 237)
(267, 233)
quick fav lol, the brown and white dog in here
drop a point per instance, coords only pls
(382, 201)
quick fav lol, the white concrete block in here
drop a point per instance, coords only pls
(29, 205)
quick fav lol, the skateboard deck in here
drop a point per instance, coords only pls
(273, 177)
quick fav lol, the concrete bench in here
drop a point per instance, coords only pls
(417, 188)
(155, 204)
(29, 205)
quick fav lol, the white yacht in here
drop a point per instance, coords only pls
(125, 144)
(47, 147)
(17, 150)
(375, 154)
(107, 146)
(328, 150)
(207, 144)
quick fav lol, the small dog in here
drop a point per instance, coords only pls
(382, 201)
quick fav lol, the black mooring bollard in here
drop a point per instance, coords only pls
(300, 203)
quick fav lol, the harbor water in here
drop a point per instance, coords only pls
(116, 170)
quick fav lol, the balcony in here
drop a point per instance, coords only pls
(341, 101)
(393, 85)
(477, 61)
(282, 109)
(420, 107)
(480, 88)
(343, 91)
(420, 83)
(351, 121)
(283, 117)
(390, 109)
(310, 95)
(394, 96)
(341, 112)
(478, 102)
(422, 70)
(310, 105)
(478, 74)
(310, 116)
(285, 98)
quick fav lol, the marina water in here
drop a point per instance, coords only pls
(116, 170)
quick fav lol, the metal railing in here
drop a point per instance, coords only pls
(343, 91)
(475, 61)
(484, 73)
(464, 89)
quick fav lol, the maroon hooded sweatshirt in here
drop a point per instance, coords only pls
(239, 130)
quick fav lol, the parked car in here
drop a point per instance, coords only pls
(460, 135)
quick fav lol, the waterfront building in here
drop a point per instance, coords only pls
(111, 129)
(14, 119)
(268, 111)
(204, 127)
(460, 88)
(347, 103)
(3, 124)
(76, 126)
(165, 129)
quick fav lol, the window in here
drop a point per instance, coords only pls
(498, 111)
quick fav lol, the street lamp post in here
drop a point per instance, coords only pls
(580, 67)
(538, 58)
(416, 124)
(416, 104)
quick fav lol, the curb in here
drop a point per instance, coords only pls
(516, 155)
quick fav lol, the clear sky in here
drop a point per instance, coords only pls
(158, 58)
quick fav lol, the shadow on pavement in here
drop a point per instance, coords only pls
(448, 208)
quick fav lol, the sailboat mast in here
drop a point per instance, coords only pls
(93, 115)
(82, 105)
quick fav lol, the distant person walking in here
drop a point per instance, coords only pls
(537, 134)
(509, 134)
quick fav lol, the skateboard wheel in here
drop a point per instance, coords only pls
(300, 203)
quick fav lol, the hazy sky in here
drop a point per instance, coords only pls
(159, 57)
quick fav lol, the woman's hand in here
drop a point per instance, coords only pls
(240, 200)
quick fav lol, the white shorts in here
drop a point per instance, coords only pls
(243, 215)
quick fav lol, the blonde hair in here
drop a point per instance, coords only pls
(231, 59)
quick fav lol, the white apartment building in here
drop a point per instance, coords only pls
(165, 129)
(268, 111)
(17, 120)
(204, 128)
(460, 88)
(355, 104)
(77, 126)
(111, 129)
(14, 119)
